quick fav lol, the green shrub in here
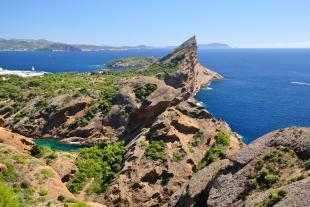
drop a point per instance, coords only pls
(198, 135)
(273, 198)
(223, 138)
(178, 155)
(195, 143)
(270, 179)
(144, 91)
(61, 198)
(53, 155)
(43, 192)
(213, 154)
(9, 175)
(49, 204)
(143, 143)
(7, 197)
(20, 159)
(40, 151)
(79, 204)
(77, 184)
(83, 121)
(216, 151)
(156, 150)
(306, 164)
(25, 185)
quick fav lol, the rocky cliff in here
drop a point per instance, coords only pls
(176, 153)
(271, 171)
(77, 115)
(176, 127)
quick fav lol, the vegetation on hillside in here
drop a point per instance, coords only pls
(7, 197)
(156, 150)
(272, 199)
(102, 163)
(144, 91)
(12, 178)
(216, 151)
(101, 87)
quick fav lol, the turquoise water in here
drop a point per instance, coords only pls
(55, 144)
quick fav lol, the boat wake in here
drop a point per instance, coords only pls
(300, 83)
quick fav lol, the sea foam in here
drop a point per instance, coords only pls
(300, 83)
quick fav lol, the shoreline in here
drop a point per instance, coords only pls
(22, 73)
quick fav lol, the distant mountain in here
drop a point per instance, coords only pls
(213, 46)
(46, 45)
(35, 45)
(58, 47)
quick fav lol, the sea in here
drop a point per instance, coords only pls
(263, 90)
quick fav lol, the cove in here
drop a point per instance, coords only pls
(56, 145)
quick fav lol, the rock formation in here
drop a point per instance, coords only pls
(270, 170)
(175, 118)
(177, 153)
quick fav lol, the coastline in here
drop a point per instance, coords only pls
(21, 73)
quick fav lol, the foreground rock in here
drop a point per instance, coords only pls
(272, 171)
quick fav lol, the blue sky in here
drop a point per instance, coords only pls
(240, 23)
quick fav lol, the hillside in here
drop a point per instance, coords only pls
(45, 45)
(147, 141)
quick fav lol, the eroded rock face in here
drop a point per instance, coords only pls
(271, 164)
(21, 143)
(171, 117)
(145, 181)
(192, 75)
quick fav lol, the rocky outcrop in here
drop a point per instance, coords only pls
(175, 88)
(169, 114)
(145, 181)
(192, 75)
(21, 143)
(272, 164)
(189, 193)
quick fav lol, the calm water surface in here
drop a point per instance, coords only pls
(264, 89)
(55, 144)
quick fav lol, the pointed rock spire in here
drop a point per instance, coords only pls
(189, 47)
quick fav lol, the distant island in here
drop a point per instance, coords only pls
(213, 46)
(132, 62)
(46, 45)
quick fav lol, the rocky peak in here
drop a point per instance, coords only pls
(176, 87)
(188, 48)
(191, 75)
